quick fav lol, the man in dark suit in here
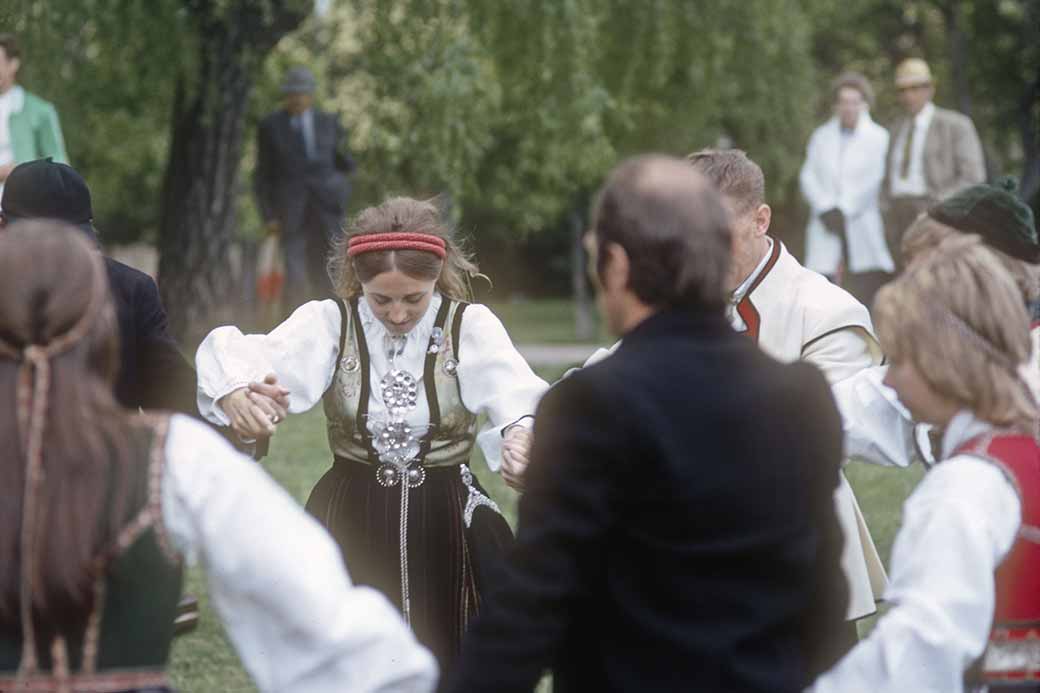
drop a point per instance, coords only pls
(677, 532)
(153, 374)
(302, 184)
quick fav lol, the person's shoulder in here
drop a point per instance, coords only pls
(322, 114)
(874, 129)
(477, 317)
(268, 120)
(614, 378)
(828, 126)
(35, 103)
(124, 277)
(815, 291)
(822, 301)
(954, 118)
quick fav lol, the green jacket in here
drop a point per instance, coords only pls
(35, 132)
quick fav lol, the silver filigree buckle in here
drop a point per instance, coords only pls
(389, 475)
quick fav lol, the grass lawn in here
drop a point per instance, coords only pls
(548, 321)
(203, 661)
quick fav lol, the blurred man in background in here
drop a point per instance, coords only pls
(302, 185)
(933, 153)
(28, 125)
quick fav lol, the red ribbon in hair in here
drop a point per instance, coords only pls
(370, 243)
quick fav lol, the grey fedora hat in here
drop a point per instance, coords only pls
(299, 80)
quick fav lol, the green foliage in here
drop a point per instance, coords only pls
(108, 66)
(516, 110)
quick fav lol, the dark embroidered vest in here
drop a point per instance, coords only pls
(124, 642)
(453, 428)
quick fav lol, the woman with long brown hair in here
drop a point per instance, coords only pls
(99, 507)
(404, 366)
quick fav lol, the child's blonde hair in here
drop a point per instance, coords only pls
(958, 317)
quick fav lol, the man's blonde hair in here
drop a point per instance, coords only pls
(926, 234)
(958, 317)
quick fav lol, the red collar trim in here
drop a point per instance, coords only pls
(746, 309)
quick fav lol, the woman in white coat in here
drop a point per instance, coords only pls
(841, 180)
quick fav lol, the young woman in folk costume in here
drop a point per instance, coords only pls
(98, 506)
(403, 367)
(965, 579)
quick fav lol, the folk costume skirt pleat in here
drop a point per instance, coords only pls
(448, 563)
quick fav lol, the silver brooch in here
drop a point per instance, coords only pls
(350, 364)
(436, 340)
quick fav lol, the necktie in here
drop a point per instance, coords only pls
(303, 136)
(908, 148)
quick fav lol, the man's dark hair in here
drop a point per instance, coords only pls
(673, 227)
(10, 45)
(853, 80)
(734, 174)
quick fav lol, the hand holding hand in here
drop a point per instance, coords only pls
(274, 392)
(256, 410)
(515, 450)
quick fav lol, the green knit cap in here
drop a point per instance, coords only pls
(997, 214)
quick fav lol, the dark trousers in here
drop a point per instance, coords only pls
(902, 212)
(306, 254)
(864, 285)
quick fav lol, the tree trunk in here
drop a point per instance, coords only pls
(198, 206)
(1029, 109)
(584, 323)
(958, 57)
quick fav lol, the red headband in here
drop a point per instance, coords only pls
(371, 242)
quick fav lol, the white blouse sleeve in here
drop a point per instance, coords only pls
(278, 581)
(301, 352)
(958, 525)
(878, 429)
(495, 379)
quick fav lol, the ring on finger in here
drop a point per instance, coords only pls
(275, 418)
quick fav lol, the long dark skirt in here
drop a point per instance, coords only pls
(448, 563)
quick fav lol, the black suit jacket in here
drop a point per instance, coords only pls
(287, 182)
(678, 529)
(153, 373)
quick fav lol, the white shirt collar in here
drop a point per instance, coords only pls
(12, 100)
(374, 327)
(924, 116)
(738, 294)
(962, 428)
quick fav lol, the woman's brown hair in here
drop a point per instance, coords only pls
(958, 317)
(64, 475)
(396, 215)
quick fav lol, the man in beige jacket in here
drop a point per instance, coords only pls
(932, 153)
